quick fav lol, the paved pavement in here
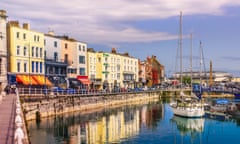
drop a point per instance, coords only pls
(7, 114)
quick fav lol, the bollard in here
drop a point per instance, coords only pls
(18, 111)
(18, 121)
(19, 136)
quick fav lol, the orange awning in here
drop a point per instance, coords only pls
(42, 80)
(26, 80)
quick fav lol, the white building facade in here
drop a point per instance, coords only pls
(3, 50)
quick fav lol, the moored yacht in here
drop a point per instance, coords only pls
(187, 106)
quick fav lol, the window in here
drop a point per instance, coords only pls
(0, 66)
(32, 51)
(81, 59)
(25, 67)
(55, 44)
(18, 35)
(32, 66)
(66, 58)
(40, 67)
(18, 66)
(37, 67)
(25, 51)
(24, 36)
(66, 45)
(106, 76)
(41, 53)
(55, 56)
(18, 50)
(38, 38)
(79, 47)
(82, 71)
(35, 38)
(83, 48)
(118, 76)
(118, 67)
(45, 53)
(36, 51)
(90, 59)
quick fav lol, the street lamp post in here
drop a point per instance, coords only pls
(29, 67)
(45, 70)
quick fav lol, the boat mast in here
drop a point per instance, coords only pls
(180, 47)
(201, 62)
(191, 61)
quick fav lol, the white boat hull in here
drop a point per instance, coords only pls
(188, 112)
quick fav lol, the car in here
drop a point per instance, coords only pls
(137, 89)
(57, 90)
(70, 91)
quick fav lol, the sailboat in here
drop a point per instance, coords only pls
(186, 106)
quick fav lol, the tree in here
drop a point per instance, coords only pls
(187, 80)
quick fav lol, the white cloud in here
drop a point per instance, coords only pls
(103, 21)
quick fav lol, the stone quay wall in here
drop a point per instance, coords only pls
(64, 104)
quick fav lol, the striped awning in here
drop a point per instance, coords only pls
(26, 80)
(42, 80)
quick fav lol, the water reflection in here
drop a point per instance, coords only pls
(188, 125)
(190, 129)
(106, 126)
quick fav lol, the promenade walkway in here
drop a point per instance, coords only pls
(7, 114)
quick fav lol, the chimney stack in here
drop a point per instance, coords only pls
(26, 26)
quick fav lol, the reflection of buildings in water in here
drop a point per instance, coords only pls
(47, 130)
(154, 114)
(143, 115)
(96, 129)
(189, 125)
(110, 129)
(150, 114)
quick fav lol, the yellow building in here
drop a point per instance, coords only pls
(26, 51)
(94, 68)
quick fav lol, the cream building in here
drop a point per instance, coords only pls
(3, 50)
(108, 70)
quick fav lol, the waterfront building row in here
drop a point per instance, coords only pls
(34, 58)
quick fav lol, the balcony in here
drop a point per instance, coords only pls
(56, 62)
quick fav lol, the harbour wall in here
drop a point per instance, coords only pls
(35, 107)
(56, 105)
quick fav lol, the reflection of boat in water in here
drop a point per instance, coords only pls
(186, 125)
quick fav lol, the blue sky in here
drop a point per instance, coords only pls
(142, 27)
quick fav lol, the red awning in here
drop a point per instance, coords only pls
(84, 80)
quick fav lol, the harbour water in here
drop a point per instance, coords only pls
(153, 123)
